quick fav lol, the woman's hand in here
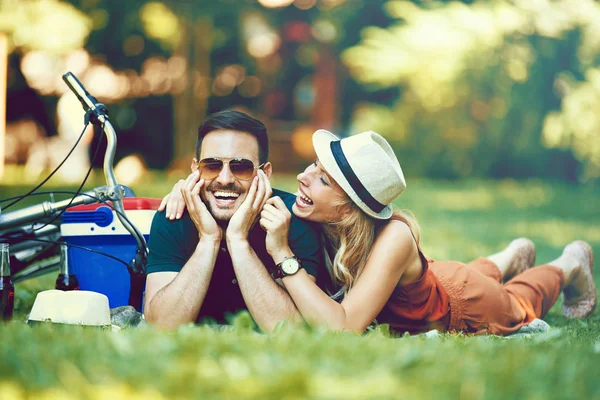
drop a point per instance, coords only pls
(173, 202)
(242, 220)
(275, 220)
(203, 220)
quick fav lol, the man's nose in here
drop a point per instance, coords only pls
(225, 177)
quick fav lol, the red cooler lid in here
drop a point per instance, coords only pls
(129, 203)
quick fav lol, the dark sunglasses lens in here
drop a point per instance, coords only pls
(243, 169)
(209, 169)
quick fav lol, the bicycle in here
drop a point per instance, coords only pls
(34, 232)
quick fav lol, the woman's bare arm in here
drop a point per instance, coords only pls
(394, 253)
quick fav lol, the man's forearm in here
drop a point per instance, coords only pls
(267, 302)
(179, 301)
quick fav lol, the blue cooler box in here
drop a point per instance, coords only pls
(97, 227)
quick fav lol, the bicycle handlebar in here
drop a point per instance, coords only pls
(88, 102)
(97, 114)
(115, 192)
(46, 209)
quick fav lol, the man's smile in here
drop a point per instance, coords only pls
(225, 198)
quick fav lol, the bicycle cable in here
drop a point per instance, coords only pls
(78, 192)
(82, 248)
(106, 202)
(53, 172)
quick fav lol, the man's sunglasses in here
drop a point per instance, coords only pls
(241, 168)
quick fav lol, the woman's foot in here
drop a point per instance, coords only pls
(580, 290)
(517, 257)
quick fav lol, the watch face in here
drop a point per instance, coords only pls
(290, 266)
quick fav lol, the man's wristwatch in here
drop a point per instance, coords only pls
(289, 266)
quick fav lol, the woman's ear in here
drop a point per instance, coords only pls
(344, 211)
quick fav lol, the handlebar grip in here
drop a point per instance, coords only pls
(87, 100)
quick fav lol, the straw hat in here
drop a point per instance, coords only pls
(365, 166)
(77, 307)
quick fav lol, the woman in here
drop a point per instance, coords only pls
(382, 272)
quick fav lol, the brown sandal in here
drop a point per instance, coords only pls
(583, 305)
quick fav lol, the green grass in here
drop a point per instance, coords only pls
(460, 221)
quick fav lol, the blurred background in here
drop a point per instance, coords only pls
(484, 89)
(493, 108)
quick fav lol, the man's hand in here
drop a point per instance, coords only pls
(204, 221)
(242, 220)
(275, 220)
(173, 202)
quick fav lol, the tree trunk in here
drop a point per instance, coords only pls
(191, 104)
(324, 113)
(3, 88)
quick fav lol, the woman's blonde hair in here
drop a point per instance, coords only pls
(352, 238)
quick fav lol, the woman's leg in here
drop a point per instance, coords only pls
(486, 267)
(538, 288)
(484, 305)
(580, 292)
(517, 257)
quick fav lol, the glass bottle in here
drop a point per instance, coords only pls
(7, 289)
(65, 280)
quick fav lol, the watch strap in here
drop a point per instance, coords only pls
(278, 271)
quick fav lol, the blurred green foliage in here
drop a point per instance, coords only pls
(500, 88)
(44, 25)
(505, 88)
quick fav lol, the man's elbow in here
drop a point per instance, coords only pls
(159, 320)
(152, 317)
(163, 324)
(291, 317)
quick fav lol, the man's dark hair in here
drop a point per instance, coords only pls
(235, 121)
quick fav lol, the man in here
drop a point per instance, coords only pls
(213, 261)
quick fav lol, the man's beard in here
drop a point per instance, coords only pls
(221, 215)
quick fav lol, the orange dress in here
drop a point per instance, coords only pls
(457, 297)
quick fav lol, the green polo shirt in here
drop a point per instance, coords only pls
(172, 243)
